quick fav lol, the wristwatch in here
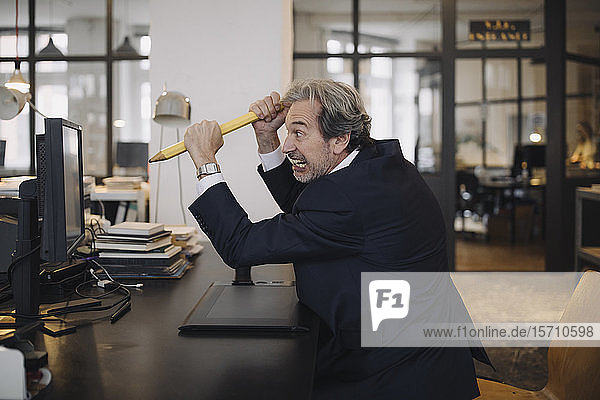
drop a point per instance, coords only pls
(207, 169)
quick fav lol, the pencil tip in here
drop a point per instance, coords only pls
(157, 157)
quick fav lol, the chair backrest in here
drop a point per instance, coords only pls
(574, 372)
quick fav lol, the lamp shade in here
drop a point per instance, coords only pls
(51, 50)
(12, 102)
(172, 109)
(126, 49)
(17, 82)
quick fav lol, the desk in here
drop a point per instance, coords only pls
(510, 184)
(142, 357)
(101, 193)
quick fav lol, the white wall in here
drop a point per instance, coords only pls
(222, 55)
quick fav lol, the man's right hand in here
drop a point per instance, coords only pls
(270, 121)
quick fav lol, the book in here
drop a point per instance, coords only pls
(123, 182)
(181, 232)
(182, 266)
(150, 262)
(135, 228)
(140, 246)
(147, 269)
(168, 252)
(104, 237)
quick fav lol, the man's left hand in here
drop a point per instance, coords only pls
(202, 141)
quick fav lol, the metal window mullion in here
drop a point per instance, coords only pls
(355, 39)
(448, 164)
(109, 79)
(31, 62)
(520, 98)
(559, 221)
(484, 112)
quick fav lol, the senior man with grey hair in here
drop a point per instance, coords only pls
(350, 204)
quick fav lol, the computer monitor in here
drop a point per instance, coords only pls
(132, 154)
(60, 189)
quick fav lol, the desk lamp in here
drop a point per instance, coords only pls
(12, 102)
(172, 109)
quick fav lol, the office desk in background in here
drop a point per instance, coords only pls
(139, 196)
(142, 357)
(509, 185)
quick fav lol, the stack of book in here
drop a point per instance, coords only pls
(187, 238)
(123, 182)
(140, 250)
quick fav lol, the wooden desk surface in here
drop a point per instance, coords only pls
(142, 356)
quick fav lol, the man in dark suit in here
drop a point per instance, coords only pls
(350, 205)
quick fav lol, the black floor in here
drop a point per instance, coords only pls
(523, 367)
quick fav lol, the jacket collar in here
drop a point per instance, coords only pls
(386, 147)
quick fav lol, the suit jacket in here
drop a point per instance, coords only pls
(377, 214)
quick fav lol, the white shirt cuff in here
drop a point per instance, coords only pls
(272, 160)
(207, 182)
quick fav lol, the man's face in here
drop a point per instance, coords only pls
(311, 156)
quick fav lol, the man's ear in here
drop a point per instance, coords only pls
(340, 143)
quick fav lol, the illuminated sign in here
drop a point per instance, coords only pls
(499, 30)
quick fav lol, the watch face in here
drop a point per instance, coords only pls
(208, 169)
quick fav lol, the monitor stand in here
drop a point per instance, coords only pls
(26, 274)
(243, 276)
(245, 307)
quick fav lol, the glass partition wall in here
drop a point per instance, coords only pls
(480, 112)
(75, 74)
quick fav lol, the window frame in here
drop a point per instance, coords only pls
(109, 58)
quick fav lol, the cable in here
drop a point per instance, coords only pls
(160, 146)
(137, 285)
(180, 185)
(17, 260)
(35, 109)
(103, 209)
(98, 297)
(100, 228)
(17, 29)
(52, 316)
(93, 247)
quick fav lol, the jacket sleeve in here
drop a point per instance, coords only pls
(323, 226)
(284, 188)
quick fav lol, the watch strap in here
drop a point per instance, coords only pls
(207, 169)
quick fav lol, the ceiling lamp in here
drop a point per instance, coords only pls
(51, 50)
(126, 49)
(17, 81)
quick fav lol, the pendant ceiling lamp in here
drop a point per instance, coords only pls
(51, 50)
(126, 49)
(17, 81)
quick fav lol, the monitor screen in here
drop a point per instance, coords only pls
(134, 154)
(60, 188)
(71, 185)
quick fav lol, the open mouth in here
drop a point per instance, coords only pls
(298, 163)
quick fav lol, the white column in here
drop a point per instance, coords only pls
(223, 56)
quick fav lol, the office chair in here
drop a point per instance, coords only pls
(573, 372)
(468, 196)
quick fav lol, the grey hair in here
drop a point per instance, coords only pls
(343, 110)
